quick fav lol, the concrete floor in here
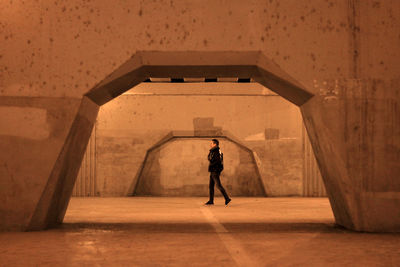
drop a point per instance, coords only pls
(183, 232)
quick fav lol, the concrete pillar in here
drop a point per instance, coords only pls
(354, 129)
(55, 197)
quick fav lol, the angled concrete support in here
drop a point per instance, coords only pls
(36, 132)
(55, 197)
(354, 130)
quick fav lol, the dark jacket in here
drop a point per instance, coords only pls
(215, 159)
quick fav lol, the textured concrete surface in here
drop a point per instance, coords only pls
(27, 162)
(345, 52)
(181, 231)
(54, 199)
(358, 156)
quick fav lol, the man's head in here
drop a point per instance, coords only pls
(214, 143)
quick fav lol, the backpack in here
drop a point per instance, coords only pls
(221, 156)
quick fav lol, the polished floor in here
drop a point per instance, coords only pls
(183, 232)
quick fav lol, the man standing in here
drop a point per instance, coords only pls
(215, 168)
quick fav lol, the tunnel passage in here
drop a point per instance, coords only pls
(350, 197)
(355, 205)
(130, 124)
(254, 65)
(178, 167)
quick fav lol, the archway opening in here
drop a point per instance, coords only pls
(141, 67)
(152, 142)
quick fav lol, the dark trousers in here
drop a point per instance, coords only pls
(214, 180)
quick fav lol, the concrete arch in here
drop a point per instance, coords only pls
(142, 65)
(350, 199)
(194, 64)
(190, 135)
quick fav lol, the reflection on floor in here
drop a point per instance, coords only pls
(182, 231)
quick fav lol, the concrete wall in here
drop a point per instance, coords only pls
(53, 52)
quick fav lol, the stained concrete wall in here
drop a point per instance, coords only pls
(268, 124)
(33, 133)
(54, 52)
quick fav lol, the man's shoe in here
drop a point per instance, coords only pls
(209, 203)
(227, 201)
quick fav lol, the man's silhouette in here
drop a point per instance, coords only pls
(215, 168)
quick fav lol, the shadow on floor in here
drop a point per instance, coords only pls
(153, 227)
